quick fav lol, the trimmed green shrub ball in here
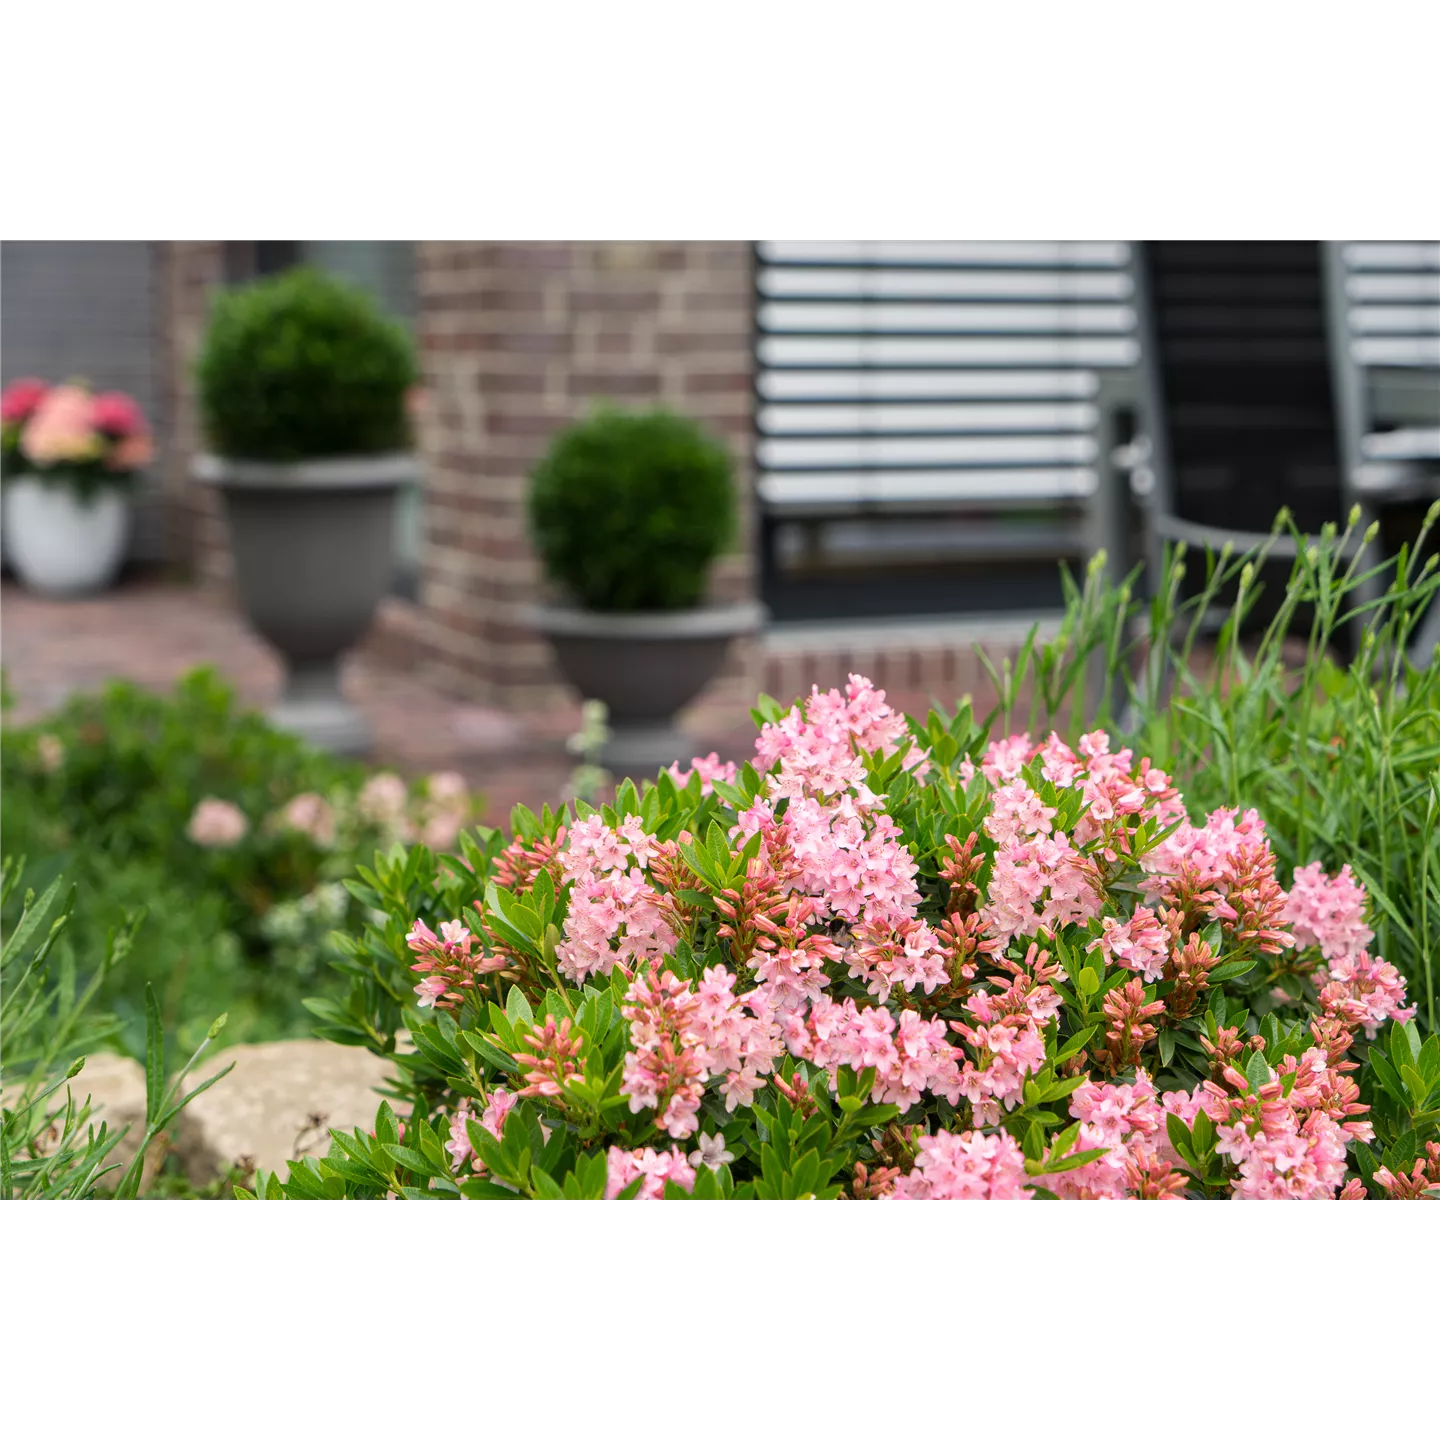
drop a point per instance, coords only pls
(627, 511)
(302, 366)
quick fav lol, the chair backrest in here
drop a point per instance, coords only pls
(1385, 340)
(1237, 383)
(930, 406)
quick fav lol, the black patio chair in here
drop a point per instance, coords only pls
(1384, 312)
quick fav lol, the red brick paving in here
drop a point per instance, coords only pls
(152, 632)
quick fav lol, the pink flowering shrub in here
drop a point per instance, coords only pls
(217, 824)
(892, 961)
(64, 433)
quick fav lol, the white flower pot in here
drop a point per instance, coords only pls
(60, 545)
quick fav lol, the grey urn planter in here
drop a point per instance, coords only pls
(314, 546)
(646, 666)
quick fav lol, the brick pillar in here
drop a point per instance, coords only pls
(519, 339)
(190, 272)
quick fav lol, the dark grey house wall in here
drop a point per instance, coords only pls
(88, 310)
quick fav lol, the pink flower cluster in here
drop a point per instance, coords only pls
(1196, 866)
(310, 815)
(1365, 991)
(20, 399)
(217, 824)
(831, 896)
(1286, 1146)
(818, 750)
(1042, 877)
(492, 1118)
(67, 425)
(709, 768)
(449, 962)
(435, 818)
(1140, 943)
(1423, 1181)
(970, 1166)
(383, 801)
(839, 847)
(1328, 913)
(683, 1037)
(909, 1056)
(1111, 785)
(1287, 1137)
(1006, 1052)
(657, 1166)
(614, 912)
(1121, 1120)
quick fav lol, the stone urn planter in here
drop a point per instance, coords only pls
(63, 545)
(646, 666)
(313, 544)
(628, 511)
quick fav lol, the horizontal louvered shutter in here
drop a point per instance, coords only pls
(1393, 291)
(923, 400)
(88, 310)
(892, 372)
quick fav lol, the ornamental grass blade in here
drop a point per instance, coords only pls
(154, 1057)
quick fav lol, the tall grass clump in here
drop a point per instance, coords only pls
(1341, 756)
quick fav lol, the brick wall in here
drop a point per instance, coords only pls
(189, 272)
(517, 340)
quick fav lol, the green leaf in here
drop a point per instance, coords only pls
(736, 798)
(1061, 1143)
(707, 1185)
(1397, 1043)
(1166, 1043)
(1076, 1043)
(1364, 1161)
(1257, 1071)
(1418, 1088)
(487, 1190)
(387, 1128)
(682, 960)
(517, 1007)
(1072, 1162)
(1228, 970)
(490, 1053)
(719, 847)
(1034, 1142)
(545, 1186)
(411, 1159)
(1179, 1135)
(1386, 1073)
(504, 1031)
(154, 1057)
(31, 920)
(1204, 1132)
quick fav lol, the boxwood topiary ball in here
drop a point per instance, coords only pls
(302, 366)
(627, 511)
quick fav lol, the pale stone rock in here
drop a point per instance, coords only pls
(277, 1104)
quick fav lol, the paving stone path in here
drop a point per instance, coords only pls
(153, 632)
